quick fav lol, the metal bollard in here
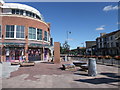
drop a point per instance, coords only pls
(66, 58)
(92, 71)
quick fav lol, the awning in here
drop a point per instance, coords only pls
(18, 44)
(39, 45)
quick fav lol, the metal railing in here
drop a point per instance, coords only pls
(111, 62)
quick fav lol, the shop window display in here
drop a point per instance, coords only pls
(34, 54)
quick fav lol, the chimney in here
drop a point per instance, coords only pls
(102, 34)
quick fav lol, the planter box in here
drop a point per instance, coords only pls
(24, 64)
(84, 67)
(68, 66)
(15, 63)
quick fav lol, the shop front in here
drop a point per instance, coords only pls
(14, 52)
(34, 54)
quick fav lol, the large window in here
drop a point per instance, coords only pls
(19, 31)
(0, 31)
(39, 34)
(32, 33)
(45, 35)
(9, 31)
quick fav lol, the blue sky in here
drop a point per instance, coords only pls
(85, 20)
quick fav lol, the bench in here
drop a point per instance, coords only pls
(79, 63)
(84, 67)
(68, 66)
(23, 64)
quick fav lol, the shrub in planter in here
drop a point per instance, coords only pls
(108, 57)
(93, 56)
(100, 57)
(117, 57)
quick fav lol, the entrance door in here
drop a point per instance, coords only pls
(17, 54)
(34, 55)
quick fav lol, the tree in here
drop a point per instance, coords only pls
(65, 48)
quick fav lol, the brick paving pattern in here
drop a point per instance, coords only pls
(47, 75)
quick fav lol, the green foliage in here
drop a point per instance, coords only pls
(65, 48)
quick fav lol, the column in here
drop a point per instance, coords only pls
(42, 55)
(26, 43)
(56, 52)
(3, 56)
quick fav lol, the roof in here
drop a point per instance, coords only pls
(109, 34)
(22, 7)
(90, 41)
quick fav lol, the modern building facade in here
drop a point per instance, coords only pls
(23, 33)
(109, 44)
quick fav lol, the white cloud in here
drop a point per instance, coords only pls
(110, 7)
(118, 22)
(101, 28)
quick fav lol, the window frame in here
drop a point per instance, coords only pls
(32, 34)
(6, 32)
(45, 37)
(20, 33)
(40, 34)
(15, 27)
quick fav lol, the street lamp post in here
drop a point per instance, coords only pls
(68, 32)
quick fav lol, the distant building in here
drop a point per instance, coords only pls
(90, 43)
(109, 44)
(90, 47)
(79, 51)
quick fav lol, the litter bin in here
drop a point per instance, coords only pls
(92, 71)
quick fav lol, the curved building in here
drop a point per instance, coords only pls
(23, 33)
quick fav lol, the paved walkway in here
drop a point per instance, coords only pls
(47, 75)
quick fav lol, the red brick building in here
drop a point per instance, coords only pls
(23, 33)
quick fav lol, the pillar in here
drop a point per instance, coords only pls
(26, 43)
(56, 52)
(42, 54)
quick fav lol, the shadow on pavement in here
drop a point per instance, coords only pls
(48, 62)
(81, 74)
(113, 75)
(98, 80)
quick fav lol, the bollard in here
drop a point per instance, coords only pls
(65, 58)
(92, 71)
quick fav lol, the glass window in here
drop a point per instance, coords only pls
(27, 13)
(32, 33)
(19, 31)
(38, 17)
(17, 11)
(9, 31)
(13, 11)
(21, 12)
(39, 34)
(45, 35)
(0, 31)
